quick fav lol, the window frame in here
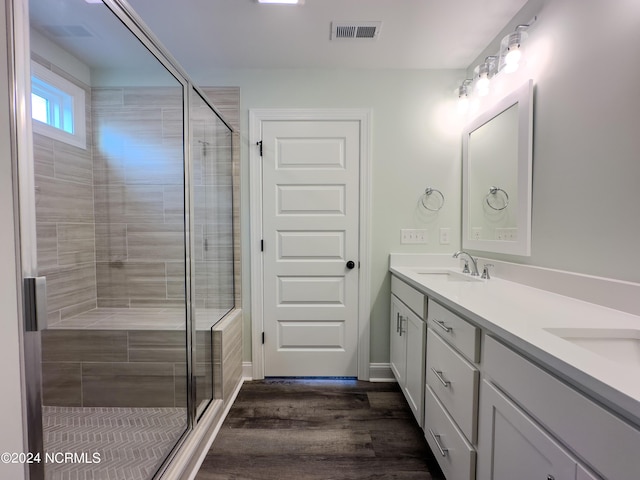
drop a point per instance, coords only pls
(78, 99)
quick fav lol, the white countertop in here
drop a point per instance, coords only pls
(519, 314)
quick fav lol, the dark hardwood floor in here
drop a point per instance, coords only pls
(319, 429)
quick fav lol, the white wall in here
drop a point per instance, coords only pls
(59, 57)
(11, 436)
(583, 57)
(415, 144)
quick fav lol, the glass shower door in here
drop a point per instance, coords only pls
(109, 175)
(213, 234)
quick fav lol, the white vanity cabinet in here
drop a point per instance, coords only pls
(569, 429)
(407, 343)
(504, 399)
(517, 448)
(451, 392)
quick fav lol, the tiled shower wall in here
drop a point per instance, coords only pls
(110, 218)
(213, 215)
(139, 200)
(65, 218)
(227, 101)
(138, 196)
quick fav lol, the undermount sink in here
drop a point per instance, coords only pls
(450, 275)
(617, 345)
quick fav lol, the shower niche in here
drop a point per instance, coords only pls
(132, 191)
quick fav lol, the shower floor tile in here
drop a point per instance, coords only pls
(131, 442)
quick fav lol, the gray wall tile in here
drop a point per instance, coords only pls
(76, 243)
(73, 164)
(84, 346)
(128, 385)
(61, 384)
(111, 242)
(68, 286)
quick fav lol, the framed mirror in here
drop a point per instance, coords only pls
(496, 176)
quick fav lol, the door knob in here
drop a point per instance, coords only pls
(351, 264)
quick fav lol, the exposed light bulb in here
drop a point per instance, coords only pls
(482, 85)
(463, 105)
(463, 98)
(512, 60)
(514, 55)
(511, 49)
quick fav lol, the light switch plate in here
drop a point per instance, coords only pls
(413, 235)
(445, 236)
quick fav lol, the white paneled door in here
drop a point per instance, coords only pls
(310, 215)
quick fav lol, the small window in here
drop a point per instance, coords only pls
(57, 107)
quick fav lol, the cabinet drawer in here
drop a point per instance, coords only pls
(411, 297)
(455, 330)
(609, 444)
(455, 382)
(456, 457)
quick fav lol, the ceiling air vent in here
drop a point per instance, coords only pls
(355, 30)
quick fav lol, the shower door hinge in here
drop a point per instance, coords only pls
(263, 338)
(260, 145)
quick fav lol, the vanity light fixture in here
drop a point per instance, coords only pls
(463, 95)
(511, 49)
(506, 60)
(483, 74)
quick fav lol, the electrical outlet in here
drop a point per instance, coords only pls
(506, 234)
(476, 233)
(445, 236)
(413, 235)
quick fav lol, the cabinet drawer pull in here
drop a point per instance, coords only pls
(440, 377)
(441, 324)
(436, 438)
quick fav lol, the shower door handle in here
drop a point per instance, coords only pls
(35, 304)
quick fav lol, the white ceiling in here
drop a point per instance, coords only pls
(206, 34)
(244, 34)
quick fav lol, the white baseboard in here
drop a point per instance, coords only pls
(380, 372)
(247, 371)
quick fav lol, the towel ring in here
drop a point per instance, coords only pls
(427, 193)
(494, 191)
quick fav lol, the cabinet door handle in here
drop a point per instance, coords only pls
(440, 377)
(441, 324)
(402, 319)
(397, 322)
(436, 438)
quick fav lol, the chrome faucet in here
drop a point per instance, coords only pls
(474, 263)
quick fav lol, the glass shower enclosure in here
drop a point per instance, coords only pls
(130, 198)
